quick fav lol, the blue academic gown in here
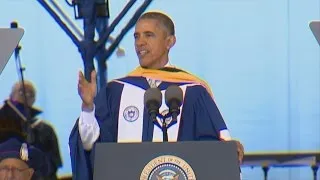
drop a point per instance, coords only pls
(200, 120)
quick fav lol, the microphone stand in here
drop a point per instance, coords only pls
(20, 69)
(164, 128)
(163, 125)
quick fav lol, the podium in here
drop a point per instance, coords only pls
(9, 39)
(204, 160)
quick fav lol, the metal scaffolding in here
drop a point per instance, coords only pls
(88, 47)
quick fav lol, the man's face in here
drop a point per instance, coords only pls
(15, 169)
(152, 43)
(30, 94)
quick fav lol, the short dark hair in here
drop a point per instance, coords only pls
(162, 18)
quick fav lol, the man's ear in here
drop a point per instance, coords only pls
(171, 41)
(29, 173)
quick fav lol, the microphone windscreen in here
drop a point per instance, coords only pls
(173, 92)
(152, 95)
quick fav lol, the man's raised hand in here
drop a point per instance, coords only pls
(87, 90)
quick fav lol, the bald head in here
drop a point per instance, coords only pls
(17, 92)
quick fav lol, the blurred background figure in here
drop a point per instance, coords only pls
(39, 133)
(19, 160)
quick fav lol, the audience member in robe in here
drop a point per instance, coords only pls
(118, 113)
(41, 134)
(18, 160)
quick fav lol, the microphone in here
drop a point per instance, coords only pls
(153, 101)
(173, 98)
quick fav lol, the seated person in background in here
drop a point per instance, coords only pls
(118, 113)
(18, 160)
(41, 134)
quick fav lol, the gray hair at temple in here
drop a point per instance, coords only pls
(162, 18)
(17, 93)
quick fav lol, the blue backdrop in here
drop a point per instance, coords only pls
(259, 57)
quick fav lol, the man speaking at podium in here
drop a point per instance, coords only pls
(119, 114)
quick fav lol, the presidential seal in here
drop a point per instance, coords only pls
(167, 168)
(131, 113)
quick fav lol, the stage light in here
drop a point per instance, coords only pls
(101, 7)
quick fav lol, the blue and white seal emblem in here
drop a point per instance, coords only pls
(167, 168)
(131, 113)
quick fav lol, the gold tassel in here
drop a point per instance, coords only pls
(24, 152)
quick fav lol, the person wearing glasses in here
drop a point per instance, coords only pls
(18, 159)
(41, 134)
